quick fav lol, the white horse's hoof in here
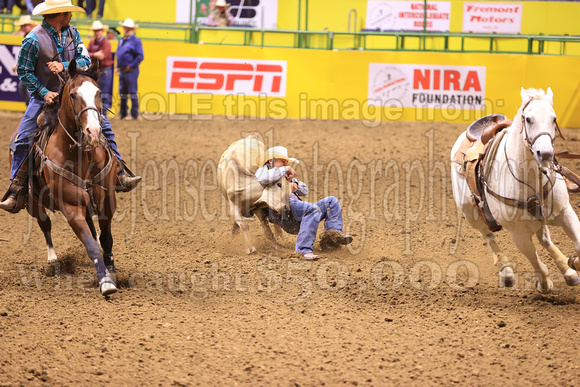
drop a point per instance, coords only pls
(108, 288)
(548, 289)
(572, 262)
(251, 250)
(571, 277)
(506, 277)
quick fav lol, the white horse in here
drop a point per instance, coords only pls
(523, 167)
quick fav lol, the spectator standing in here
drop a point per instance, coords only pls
(129, 56)
(221, 16)
(100, 48)
(113, 34)
(92, 5)
(26, 25)
(6, 4)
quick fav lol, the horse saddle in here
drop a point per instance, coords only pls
(470, 155)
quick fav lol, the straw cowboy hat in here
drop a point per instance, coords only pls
(56, 6)
(222, 3)
(25, 20)
(97, 25)
(129, 23)
(277, 152)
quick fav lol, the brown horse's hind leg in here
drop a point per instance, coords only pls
(76, 219)
(37, 211)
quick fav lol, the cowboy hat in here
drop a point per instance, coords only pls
(25, 20)
(129, 23)
(277, 152)
(56, 6)
(97, 25)
(222, 3)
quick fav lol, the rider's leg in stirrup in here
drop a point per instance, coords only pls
(12, 201)
(125, 178)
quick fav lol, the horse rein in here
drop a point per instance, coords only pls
(544, 192)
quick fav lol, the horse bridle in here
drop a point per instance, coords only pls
(537, 198)
(531, 142)
(78, 118)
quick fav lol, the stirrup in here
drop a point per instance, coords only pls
(129, 180)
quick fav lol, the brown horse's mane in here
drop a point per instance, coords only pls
(51, 111)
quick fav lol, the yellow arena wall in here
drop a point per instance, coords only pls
(334, 84)
(324, 84)
(546, 17)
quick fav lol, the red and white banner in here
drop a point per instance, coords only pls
(408, 15)
(492, 17)
(226, 76)
(427, 86)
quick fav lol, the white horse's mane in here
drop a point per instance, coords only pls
(535, 93)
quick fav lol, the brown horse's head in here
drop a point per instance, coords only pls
(81, 98)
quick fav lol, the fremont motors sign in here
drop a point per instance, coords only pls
(226, 76)
(433, 86)
(492, 17)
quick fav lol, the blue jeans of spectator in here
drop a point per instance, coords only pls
(92, 4)
(8, 4)
(106, 86)
(28, 128)
(24, 93)
(29, 6)
(310, 215)
(128, 89)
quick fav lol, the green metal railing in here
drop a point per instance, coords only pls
(329, 40)
(147, 30)
(397, 41)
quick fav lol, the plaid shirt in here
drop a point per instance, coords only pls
(28, 57)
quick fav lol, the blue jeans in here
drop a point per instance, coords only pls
(106, 86)
(28, 128)
(92, 4)
(8, 4)
(310, 215)
(24, 93)
(128, 89)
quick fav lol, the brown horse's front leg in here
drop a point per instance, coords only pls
(106, 238)
(76, 218)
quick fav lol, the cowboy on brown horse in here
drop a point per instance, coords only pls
(46, 52)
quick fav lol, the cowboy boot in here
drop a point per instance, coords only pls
(13, 200)
(126, 179)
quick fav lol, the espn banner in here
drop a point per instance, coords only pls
(408, 15)
(427, 86)
(8, 78)
(226, 76)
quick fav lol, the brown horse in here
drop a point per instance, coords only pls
(77, 172)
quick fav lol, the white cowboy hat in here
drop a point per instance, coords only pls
(277, 152)
(56, 6)
(25, 20)
(222, 3)
(129, 23)
(97, 25)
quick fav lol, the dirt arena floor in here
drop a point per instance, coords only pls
(415, 299)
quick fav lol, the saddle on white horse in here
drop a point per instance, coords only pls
(480, 141)
(480, 144)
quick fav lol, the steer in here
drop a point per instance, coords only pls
(245, 194)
